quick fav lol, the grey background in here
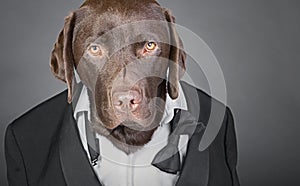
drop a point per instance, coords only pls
(256, 42)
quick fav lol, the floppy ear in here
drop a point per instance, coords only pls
(176, 59)
(62, 60)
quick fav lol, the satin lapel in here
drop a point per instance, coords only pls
(195, 169)
(74, 162)
(192, 99)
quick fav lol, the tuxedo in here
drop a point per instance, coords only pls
(43, 147)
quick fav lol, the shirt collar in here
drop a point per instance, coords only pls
(83, 103)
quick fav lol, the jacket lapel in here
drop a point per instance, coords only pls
(195, 169)
(74, 162)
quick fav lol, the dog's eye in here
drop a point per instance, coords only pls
(95, 50)
(150, 46)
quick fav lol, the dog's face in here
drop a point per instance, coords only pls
(121, 51)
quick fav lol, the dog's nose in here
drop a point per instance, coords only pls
(127, 100)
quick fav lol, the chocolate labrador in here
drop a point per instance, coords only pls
(130, 57)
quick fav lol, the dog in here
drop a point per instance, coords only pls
(124, 110)
(129, 58)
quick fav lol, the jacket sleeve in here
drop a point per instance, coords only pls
(231, 148)
(16, 174)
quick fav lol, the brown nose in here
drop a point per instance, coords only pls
(127, 100)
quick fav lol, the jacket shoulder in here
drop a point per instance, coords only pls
(31, 138)
(42, 116)
(199, 100)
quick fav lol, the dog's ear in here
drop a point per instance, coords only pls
(176, 59)
(62, 60)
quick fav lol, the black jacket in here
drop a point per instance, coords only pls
(43, 147)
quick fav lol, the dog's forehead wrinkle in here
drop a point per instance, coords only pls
(119, 11)
(120, 5)
(124, 11)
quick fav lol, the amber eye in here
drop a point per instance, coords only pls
(150, 46)
(95, 50)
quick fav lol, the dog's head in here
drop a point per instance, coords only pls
(122, 51)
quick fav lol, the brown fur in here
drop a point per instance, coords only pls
(95, 18)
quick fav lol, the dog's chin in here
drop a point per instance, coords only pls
(131, 134)
(130, 140)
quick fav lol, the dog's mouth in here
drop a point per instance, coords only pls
(138, 119)
(126, 128)
(141, 118)
(139, 115)
(129, 139)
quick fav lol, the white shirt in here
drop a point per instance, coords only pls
(117, 168)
